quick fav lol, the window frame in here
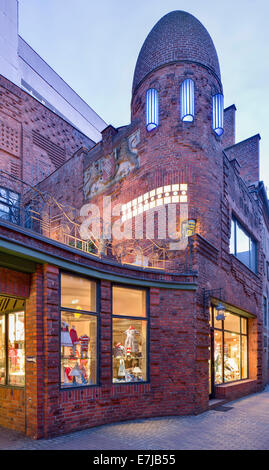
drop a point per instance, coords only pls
(11, 206)
(152, 92)
(240, 334)
(218, 113)
(146, 318)
(82, 312)
(181, 100)
(233, 236)
(5, 315)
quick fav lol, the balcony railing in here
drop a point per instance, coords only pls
(39, 211)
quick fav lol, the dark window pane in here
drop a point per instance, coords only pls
(242, 246)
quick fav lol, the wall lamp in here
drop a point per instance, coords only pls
(207, 294)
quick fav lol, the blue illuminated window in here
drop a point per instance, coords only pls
(218, 114)
(152, 109)
(187, 100)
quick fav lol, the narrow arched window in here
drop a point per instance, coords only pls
(187, 100)
(218, 114)
(152, 109)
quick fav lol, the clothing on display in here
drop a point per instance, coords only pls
(131, 343)
(65, 336)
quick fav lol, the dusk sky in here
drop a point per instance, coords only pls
(93, 45)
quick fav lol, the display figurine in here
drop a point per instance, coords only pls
(75, 372)
(65, 336)
(137, 371)
(121, 371)
(131, 342)
(119, 350)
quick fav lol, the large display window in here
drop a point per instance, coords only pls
(129, 337)
(230, 347)
(12, 349)
(79, 324)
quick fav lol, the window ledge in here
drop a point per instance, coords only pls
(237, 389)
(235, 383)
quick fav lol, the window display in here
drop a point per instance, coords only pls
(78, 332)
(218, 361)
(78, 349)
(12, 349)
(230, 348)
(129, 355)
(2, 351)
(16, 349)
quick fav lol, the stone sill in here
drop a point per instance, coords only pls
(233, 390)
(235, 384)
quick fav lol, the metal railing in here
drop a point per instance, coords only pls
(40, 212)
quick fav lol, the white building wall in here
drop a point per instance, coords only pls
(9, 40)
(20, 64)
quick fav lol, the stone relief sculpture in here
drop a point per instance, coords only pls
(107, 170)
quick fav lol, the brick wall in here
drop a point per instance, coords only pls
(34, 141)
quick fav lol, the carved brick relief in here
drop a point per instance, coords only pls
(10, 138)
(111, 168)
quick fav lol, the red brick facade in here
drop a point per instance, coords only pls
(130, 161)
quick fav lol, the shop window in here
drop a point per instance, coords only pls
(152, 109)
(230, 348)
(79, 323)
(12, 349)
(187, 100)
(243, 246)
(218, 114)
(9, 205)
(129, 355)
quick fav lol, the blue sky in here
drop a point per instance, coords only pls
(94, 45)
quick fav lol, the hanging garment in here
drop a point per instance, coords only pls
(121, 371)
(65, 336)
(84, 345)
(73, 335)
(131, 344)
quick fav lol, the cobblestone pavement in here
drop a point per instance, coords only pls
(245, 426)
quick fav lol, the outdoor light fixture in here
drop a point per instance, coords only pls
(187, 100)
(221, 311)
(218, 114)
(207, 294)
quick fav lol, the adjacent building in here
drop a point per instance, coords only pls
(133, 274)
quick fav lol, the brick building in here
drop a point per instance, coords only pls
(164, 311)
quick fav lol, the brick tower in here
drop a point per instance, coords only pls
(179, 50)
